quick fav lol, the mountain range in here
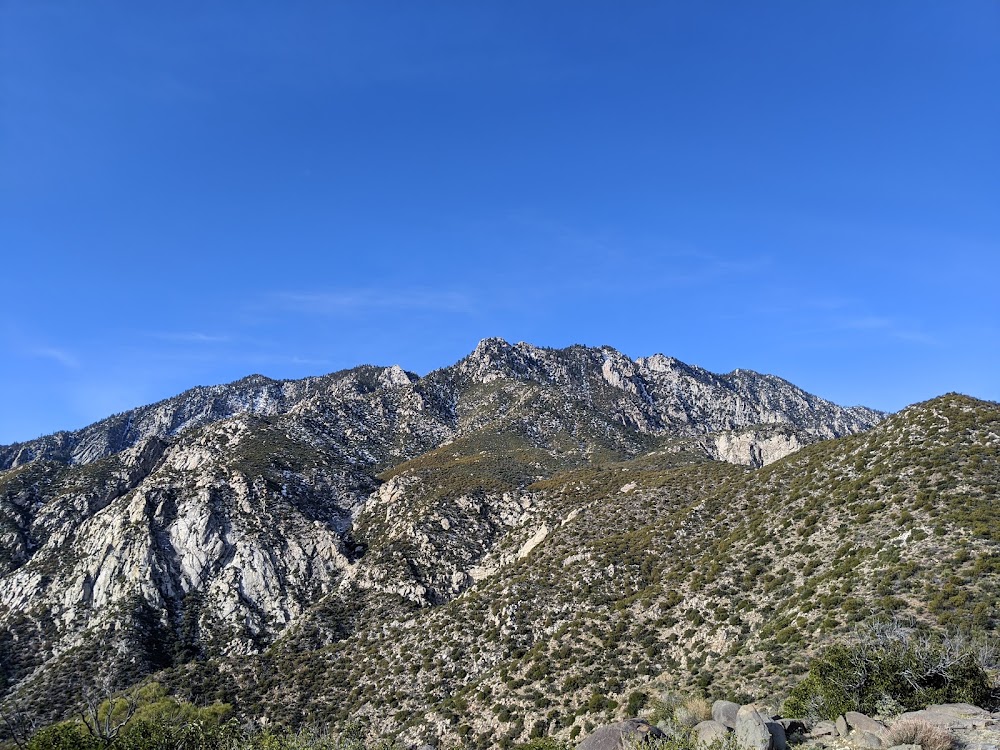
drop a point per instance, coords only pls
(519, 543)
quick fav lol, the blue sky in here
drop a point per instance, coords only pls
(191, 192)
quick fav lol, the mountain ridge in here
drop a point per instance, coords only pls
(259, 394)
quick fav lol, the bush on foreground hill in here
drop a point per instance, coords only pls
(892, 667)
(149, 719)
(887, 668)
(162, 734)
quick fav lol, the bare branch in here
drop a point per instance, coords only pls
(106, 714)
(20, 725)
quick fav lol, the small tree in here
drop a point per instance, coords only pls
(105, 714)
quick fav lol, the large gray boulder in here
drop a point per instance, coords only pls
(867, 741)
(725, 713)
(750, 709)
(710, 732)
(611, 737)
(752, 732)
(861, 723)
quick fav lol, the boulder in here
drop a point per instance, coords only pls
(866, 740)
(861, 723)
(750, 709)
(842, 728)
(824, 729)
(962, 710)
(752, 732)
(725, 712)
(709, 732)
(610, 737)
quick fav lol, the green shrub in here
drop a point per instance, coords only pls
(166, 734)
(68, 736)
(890, 665)
(543, 743)
(636, 701)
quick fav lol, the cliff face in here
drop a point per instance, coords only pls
(213, 523)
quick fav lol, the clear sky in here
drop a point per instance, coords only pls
(191, 192)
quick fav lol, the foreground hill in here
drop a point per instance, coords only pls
(251, 529)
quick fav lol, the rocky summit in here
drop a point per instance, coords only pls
(507, 547)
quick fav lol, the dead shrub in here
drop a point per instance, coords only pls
(916, 732)
(692, 711)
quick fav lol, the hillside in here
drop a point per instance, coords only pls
(695, 574)
(489, 546)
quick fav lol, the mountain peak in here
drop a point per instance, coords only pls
(496, 358)
(396, 375)
(491, 344)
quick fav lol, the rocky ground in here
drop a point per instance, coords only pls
(752, 727)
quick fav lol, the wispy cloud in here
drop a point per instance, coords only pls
(703, 268)
(59, 356)
(885, 326)
(191, 337)
(866, 323)
(352, 301)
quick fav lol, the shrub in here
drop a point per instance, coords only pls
(545, 743)
(676, 737)
(160, 734)
(692, 711)
(68, 736)
(636, 701)
(925, 734)
(891, 665)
